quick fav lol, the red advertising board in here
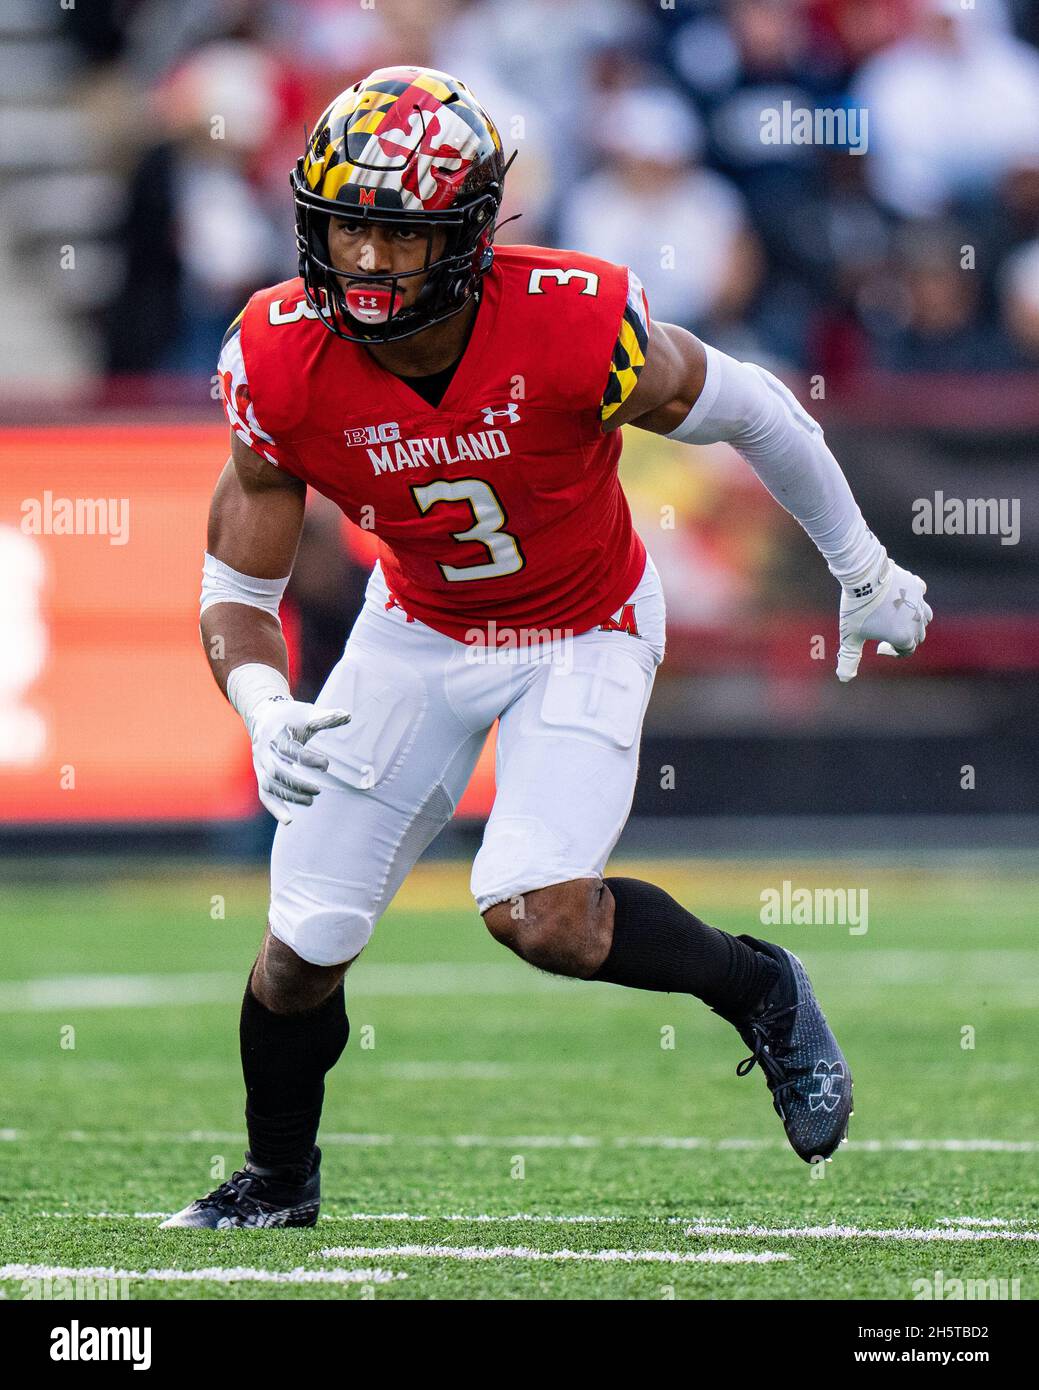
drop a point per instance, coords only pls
(107, 709)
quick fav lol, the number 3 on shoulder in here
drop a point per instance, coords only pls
(557, 276)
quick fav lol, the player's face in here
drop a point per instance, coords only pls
(374, 249)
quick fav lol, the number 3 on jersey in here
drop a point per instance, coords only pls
(507, 557)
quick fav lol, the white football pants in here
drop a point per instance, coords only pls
(570, 717)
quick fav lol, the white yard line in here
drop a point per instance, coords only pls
(526, 1252)
(397, 1216)
(947, 1228)
(146, 991)
(878, 967)
(978, 1221)
(1002, 1146)
(116, 991)
(835, 1232)
(536, 1141)
(514, 1218)
(493, 1071)
(235, 1275)
(44, 1070)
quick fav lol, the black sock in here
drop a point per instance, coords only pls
(657, 944)
(284, 1061)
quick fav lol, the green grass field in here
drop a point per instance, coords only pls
(485, 1115)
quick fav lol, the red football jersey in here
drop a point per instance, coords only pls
(502, 504)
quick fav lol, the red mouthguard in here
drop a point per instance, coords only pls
(373, 303)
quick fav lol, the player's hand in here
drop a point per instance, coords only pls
(893, 614)
(280, 730)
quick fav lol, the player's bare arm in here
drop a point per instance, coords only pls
(693, 393)
(255, 522)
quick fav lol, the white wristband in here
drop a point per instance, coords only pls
(222, 584)
(249, 685)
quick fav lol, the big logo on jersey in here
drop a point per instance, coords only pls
(385, 433)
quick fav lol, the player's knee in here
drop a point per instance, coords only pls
(503, 923)
(535, 939)
(323, 937)
(324, 921)
(285, 983)
(518, 851)
(557, 928)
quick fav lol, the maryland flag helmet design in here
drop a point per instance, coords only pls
(408, 147)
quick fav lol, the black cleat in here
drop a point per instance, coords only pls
(804, 1067)
(255, 1197)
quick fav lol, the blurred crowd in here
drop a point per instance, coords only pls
(641, 127)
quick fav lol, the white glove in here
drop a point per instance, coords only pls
(280, 730)
(886, 607)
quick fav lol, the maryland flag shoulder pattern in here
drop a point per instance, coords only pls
(629, 351)
(236, 396)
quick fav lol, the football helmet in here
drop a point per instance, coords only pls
(406, 146)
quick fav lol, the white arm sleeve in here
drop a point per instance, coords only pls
(747, 407)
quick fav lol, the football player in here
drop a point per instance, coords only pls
(464, 402)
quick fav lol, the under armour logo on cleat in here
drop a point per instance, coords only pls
(829, 1076)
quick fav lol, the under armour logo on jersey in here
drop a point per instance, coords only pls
(511, 412)
(828, 1077)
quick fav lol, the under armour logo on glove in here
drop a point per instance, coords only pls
(908, 602)
(828, 1076)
